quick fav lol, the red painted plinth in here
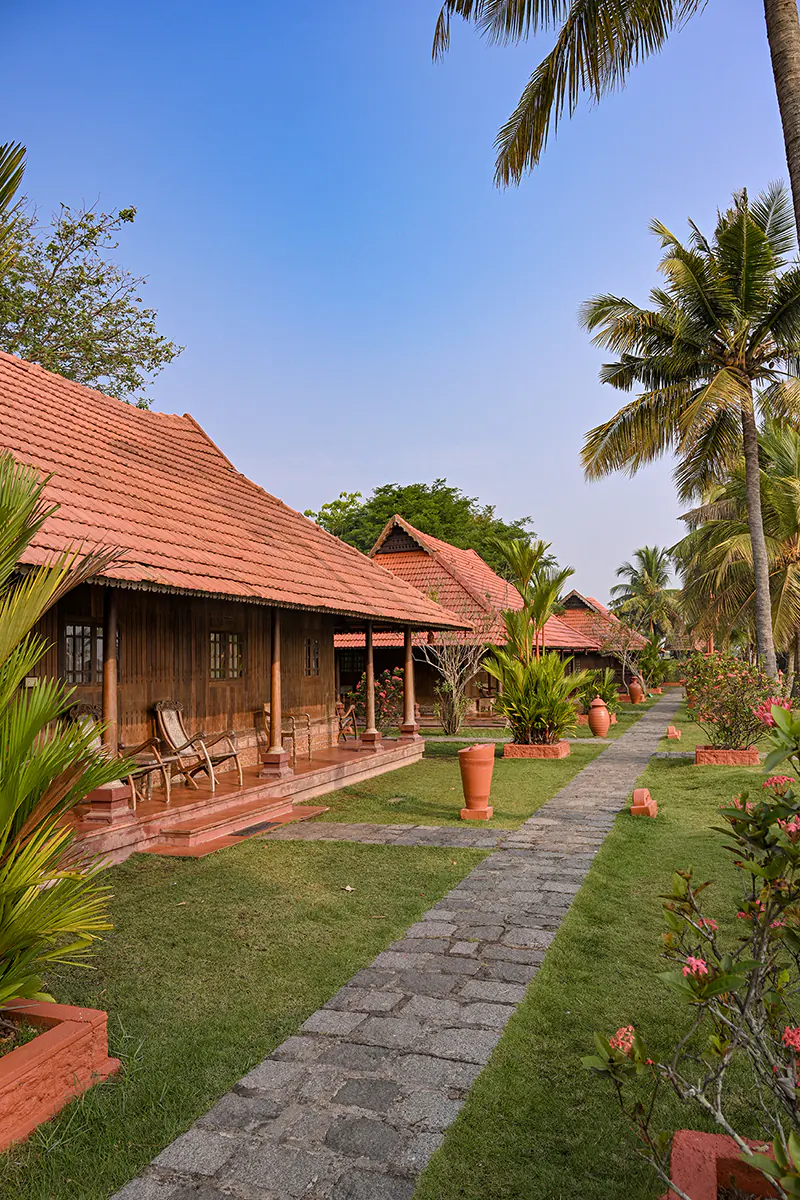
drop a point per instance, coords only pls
(275, 763)
(370, 741)
(109, 805)
(477, 814)
(643, 804)
(409, 733)
(39, 1078)
(709, 756)
(702, 1163)
(674, 734)
(557, 750)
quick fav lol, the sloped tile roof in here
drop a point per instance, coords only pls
(464, 584)
(156, 486)
(590, 618)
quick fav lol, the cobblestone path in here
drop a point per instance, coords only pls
(353, 1107)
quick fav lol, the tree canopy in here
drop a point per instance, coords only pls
(436, 508)
(66, 304)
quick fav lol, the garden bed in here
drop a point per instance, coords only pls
(536, 1124)
(713, 756)
(212, 963)
(554, 750)
(429, 792)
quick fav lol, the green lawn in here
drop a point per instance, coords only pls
(536, 1125)
(211, 964)
(429, 792)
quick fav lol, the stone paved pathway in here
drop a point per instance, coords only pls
(355, 1105)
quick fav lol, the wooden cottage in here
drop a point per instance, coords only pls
(466, 585)
(225, 604)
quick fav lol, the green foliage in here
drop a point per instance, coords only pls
(602, 683)
(52, 910)
(651, 664)
(645, 598)
(451, 707)
(64, 303)
(388, 699)
(727, 694)
(537, 697)
(12, 168)
(435, 508)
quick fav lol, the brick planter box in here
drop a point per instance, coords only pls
(709, 756)
(557, 750)
(702, 1163)
(37, 1079)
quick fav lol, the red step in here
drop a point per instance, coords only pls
(213, 831)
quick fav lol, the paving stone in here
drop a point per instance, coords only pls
(368, 1185)
(236, 1112)
(428, 1008)
(270, 1076)
(282, 1170)
(481, 933)
(197, 1152)
(370, 978)
(392, 1032)
(467, 1045)
(377, 1095)
(305, 1124)
(509, 972)
(328, 1021)
(464, 949)
(364, 1000)
(301, 1049)
(427, 1110)
(417, 1153)
(364, 1137)
(495, 1016)
(424, 1070)
(484, 989)
(536, 939)
(353, 1057)
(147, 1189)
(427, 983)
(430, 929)
(451, 965)
(421, 945)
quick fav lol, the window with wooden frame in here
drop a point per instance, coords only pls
(312, 656)
(226, 655)
(82, 652)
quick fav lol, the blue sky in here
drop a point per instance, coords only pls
(320, 230)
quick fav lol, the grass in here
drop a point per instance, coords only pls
(536, 1124)
(692, 734)
(627, 716)
(212, 963)
(429, 792)
(22, 1034)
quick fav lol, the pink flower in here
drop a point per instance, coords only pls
(791, 828)
(778, 783)
(778, 924)
(623, 1039)
(764, 710)
(695, 967)
(708, 923)
(791, 1038)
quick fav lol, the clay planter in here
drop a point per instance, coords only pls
(635, 691)
(477, 765)
(613, 718)
(702, 1163)
(599, 718)
(643, 804)
(582, 718)
(710, 756)
(555, 750)
(40, 1077)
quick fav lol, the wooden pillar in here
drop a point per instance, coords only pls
(276, 760)
(370, 737)
(110, 694)
(409, 730)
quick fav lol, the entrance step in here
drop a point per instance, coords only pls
(197, 836)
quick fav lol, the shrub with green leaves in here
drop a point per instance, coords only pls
(537, 697)
(727, 695)
(51, 908)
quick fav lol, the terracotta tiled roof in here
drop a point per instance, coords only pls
(156, 486)
(590, 618)
(465, 584)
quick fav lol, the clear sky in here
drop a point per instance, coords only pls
(319, 227)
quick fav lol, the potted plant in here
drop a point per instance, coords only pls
(731, 698)
(741, 1005)
(53, 907)
(537, 698)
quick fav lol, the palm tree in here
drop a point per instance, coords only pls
(598, 43)
(536, 576)
(715, 557)
(12, 166)
(646, 598)
(721, 343)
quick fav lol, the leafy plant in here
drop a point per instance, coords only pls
(651, 663)
(729, 697)
(602, 683)
(388, 699)
(51, 907)
(741, 993)
(537, 697)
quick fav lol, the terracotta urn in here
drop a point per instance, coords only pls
(599, 718)
(477, 765)
(635, 691)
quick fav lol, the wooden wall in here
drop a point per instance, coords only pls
(164, 643)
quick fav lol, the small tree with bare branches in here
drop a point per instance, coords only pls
(457, 659)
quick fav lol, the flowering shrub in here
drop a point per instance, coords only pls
(388, 699)
(733, 700)
(741, 992)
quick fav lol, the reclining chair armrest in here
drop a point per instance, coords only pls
(152, 743)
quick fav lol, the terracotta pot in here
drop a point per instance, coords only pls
(38, 1078)
(710, 756)
(701, 1163)
(477, 765)
(613, 718)
(599, 718)
(635, 691)
(553, 750)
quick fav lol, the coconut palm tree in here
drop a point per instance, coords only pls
(533, 571)
(598, 43)
(645, 598)
(12, 166)
(720, 345)
(715, 558)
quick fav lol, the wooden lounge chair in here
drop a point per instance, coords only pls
(291, 732)
(347, 722)
(147, 755)
(195, 754)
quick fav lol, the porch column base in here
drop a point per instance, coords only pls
(274, 764)
(371, 739)
(409, 733)
(109, 805)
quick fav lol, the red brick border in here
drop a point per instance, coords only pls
(708, 756)
(701, 1163)
(558, 750)
(39, 1078)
